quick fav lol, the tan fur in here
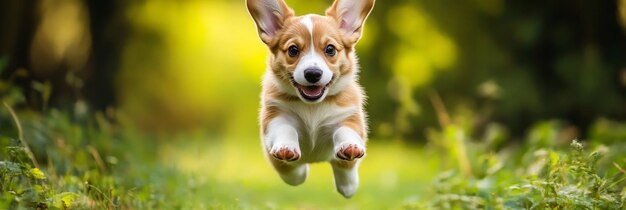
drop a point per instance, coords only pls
(268, 112)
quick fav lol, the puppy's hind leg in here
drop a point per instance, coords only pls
(346, 176)
(292, 174)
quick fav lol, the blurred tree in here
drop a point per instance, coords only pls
(63, 46)
(548, 60)
(109, 30)
(17, 25)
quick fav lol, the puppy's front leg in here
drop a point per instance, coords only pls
(281, 142)
(349, 148)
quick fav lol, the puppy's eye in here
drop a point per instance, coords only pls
(330, 50)
(293, 51)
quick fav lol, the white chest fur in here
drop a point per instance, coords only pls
(315, 125)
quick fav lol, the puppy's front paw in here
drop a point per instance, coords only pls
(285, 153)
(350, 152)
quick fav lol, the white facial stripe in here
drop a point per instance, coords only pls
(311, 59)
(306, 21)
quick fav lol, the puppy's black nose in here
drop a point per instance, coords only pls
(312, 75)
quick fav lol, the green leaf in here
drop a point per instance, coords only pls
(37, 174)
(45, 89)
(10, 168)
(554, 159)
(64, 200)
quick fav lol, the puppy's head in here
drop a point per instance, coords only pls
(312, 56)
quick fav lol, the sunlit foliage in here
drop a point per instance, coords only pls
(473, 104)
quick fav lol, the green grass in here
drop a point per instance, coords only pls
(86, 161)
(239, 176)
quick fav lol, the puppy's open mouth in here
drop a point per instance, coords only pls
(311, 93)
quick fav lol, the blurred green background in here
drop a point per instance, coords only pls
(184, 65)
(142, 97)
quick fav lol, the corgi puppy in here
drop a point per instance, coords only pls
(311, 103)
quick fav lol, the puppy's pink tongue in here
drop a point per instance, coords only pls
(313, 90)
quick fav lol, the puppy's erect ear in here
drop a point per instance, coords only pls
(269, 16)
(351, 14)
